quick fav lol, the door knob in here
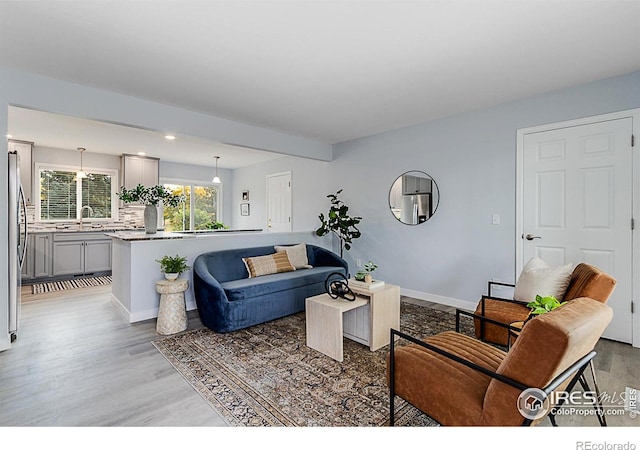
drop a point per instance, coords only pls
(531, 237)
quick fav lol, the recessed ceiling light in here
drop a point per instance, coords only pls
(170, 137)
(141, 153)
(9, 136)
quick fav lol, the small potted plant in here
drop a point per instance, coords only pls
(365, 275)
(543, 305)
(173, 266)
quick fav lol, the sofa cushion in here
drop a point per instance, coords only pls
(297, 255)
(265, 265)
(268, 284)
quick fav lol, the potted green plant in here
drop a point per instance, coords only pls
(365, 274)
(339, 222)
(173, 266)
(543, 305)
(215, 226)
(150, 197)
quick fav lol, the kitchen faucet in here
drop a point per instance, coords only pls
(90, 213)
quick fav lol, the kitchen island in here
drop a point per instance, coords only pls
(135, 269)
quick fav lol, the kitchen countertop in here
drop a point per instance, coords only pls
(199, 234)
(143, 236)
(84, 230)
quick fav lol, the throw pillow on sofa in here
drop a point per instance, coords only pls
(265, 265)
(539, 278)
(297, 255)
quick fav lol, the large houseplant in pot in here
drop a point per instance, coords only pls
(339, 222)
(150, 197)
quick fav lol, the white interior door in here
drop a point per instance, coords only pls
(279, 202)
(577, 205)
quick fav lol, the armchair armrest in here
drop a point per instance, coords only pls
(498, 299)
(507, 326)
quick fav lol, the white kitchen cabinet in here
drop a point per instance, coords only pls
(139, 170)
(81, 254)
(25, 150)
(416, 185)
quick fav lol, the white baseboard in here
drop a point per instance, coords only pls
(147, 314)
(448, 301)
(120, 307)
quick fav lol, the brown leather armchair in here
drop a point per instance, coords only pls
(585, 281)
(461, 381)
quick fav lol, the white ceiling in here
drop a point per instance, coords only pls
(329, 70)
(65, 132)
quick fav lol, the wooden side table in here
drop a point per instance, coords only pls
(384, 302)
(325, 323)
(366, 320)
(172, 314)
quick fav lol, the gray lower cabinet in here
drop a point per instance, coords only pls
(68, 258)
(37, 262)
(81, 254)
(27, 264)
(42, 255)
(97, 255)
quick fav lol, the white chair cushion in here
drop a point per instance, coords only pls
(538, 278)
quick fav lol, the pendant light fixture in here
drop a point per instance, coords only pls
(81, 173)
(216, 179)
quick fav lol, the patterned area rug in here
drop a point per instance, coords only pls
(266, 375)
(51, 286)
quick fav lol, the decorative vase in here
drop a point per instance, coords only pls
(150, 219)
(368, 278)
(171, 276)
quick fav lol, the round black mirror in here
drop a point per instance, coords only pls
(413, 197)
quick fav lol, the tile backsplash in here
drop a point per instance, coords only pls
(129, 217)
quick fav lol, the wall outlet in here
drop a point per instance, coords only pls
(495, 219)
(358, 263)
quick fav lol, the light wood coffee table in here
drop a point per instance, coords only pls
(366, 320)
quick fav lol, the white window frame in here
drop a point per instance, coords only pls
(40, 166)
(192, 184)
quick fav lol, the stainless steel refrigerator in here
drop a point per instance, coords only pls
(416, 208)
(17, 241)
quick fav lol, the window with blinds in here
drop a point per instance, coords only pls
(62, 195)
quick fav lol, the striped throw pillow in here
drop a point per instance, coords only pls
(268, 264)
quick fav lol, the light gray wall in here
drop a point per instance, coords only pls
(310, 185)
(170, 171)
(472, 157)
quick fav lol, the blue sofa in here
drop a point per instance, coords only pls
(229, 300)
